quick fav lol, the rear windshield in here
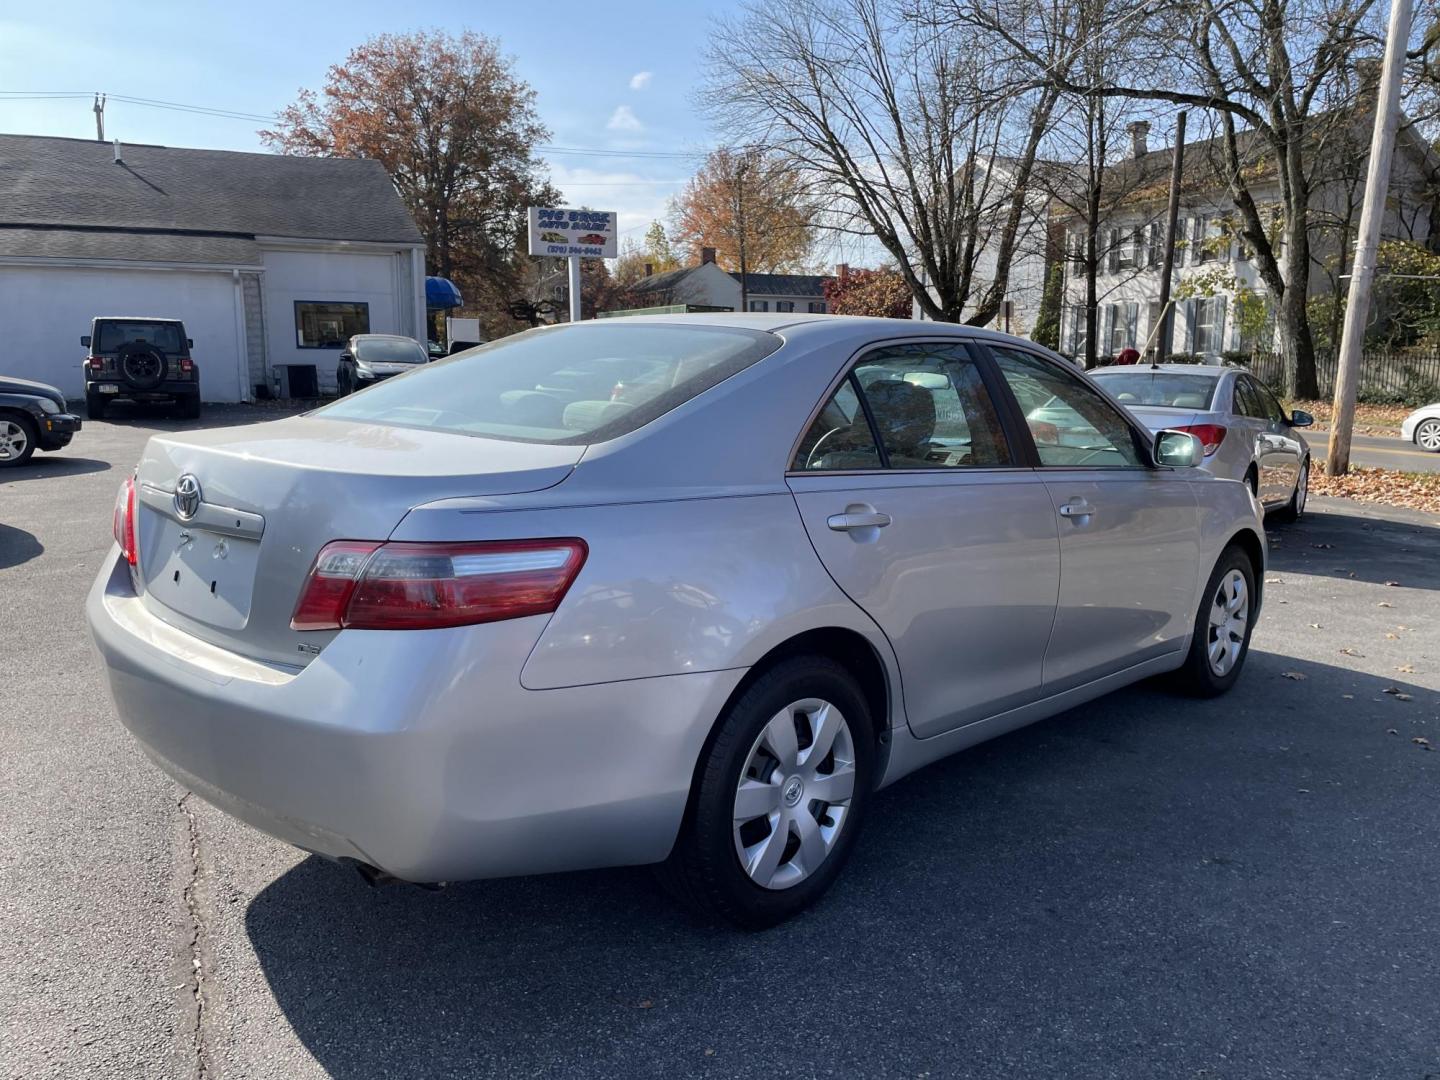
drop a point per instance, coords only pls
(1165, 389)
(166, 337)
(389, 351)
(563, 384)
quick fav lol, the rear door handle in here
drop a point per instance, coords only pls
(1076, 508)
(847, 521)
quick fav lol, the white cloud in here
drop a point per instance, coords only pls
(641, 80)
(624, 119)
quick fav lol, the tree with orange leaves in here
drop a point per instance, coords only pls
(746, 196)
(457, 130)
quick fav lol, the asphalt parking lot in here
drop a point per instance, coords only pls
(1147, 886)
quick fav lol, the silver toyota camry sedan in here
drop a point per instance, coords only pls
(681, 590)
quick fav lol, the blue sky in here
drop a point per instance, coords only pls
(253, 57)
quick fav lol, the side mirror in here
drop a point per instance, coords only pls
(85, 341)
(1178, 449)
(1300, 418)
(189, 343)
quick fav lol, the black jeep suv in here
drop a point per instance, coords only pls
(140, 359)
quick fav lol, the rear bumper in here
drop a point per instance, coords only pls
(417, 752)
(169, 390)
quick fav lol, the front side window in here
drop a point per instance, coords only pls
(1269, 408)
(1072, 424)
(930, 408)
(571, 384)
(329, 325)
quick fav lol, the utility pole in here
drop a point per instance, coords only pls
(740, 227)
(1372, 211)
(1167, 261)
(99, 108)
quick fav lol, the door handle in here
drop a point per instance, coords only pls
(848, 521)
(1076, 508)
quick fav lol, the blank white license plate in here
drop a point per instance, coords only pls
(108, 388)
(205, 575)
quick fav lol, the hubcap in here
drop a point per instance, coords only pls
(1302, 488)
(1229, 611)
(794, 794)
(12, 440)
(1428, 435)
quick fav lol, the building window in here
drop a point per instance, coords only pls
(1207, 325)
(1122, 320)
(784, 305)
(759, 305)
(816, 307)
(1157, 243)
(328, 325)
(1077, 330)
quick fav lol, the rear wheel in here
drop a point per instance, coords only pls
(1427, 435)
(780, 796)
(1292, 510)
(17, 439)
(1221, 638)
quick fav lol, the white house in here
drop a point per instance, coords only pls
(270, 261)
(706, 285)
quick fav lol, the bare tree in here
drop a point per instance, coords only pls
(917, 136)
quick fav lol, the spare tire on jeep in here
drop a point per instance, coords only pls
(141, 365)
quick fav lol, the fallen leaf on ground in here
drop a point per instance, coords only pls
(1415, 491)
(1274, 581)
(1322, 547)
(647, 1004)
(1392, 583)
(1406, 669)
(1316, 626)
(1397, 693)
(1352, 652)
(1295, 675)
(1391, 731)
(1420, 740)
(1392, 637)
(1348, 697)
(1384, 603)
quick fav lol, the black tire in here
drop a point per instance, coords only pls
(1252, 481)
(188, 407)
(1428, 430)
(1292, 510)
(141, 366)
(1198, 677)
(95, 405)
(28, 432)
(704, 870)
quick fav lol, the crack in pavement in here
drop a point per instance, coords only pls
(194, 946)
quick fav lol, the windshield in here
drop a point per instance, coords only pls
(563, 384)
(1165, 389)
(163, 336)
(389, 351)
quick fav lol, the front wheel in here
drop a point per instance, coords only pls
(1221, 638)
(1427, 436)
(780, 796)
(17, 439)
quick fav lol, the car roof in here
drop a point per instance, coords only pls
(135, 318)
(390, 337)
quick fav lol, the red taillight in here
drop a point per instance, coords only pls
(1212, 435)
(186, 365)
(365, 585)
(95, 363)
(123, 521)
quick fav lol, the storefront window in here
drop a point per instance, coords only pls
(327, 324)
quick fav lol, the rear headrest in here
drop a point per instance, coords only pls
(1127, 396)
(905, 415)
(1189, 401)
(589, 415)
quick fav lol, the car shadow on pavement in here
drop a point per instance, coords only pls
(1147, 885)
(17, 546)
(49, 466)
(1344, 543)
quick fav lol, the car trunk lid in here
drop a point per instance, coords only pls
(1160, 417)
(231, 519)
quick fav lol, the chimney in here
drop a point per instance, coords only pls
(649, 269)
(842, 271)
(707, 255)
(1138, 130)
(118, 159)
(1367, 72)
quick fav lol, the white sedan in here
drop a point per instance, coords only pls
(1423, 427)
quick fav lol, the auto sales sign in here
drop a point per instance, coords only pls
(589, 234)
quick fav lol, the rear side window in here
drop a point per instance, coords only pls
(167, 337)
(930, 410)
(563, 385)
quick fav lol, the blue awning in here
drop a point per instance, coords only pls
(441, 293)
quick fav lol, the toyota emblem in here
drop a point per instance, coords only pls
(187, 497)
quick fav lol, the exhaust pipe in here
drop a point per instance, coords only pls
(377, 878)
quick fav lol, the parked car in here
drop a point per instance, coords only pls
(33, 416)
(485, 620)
(1247, 433)
(140, 359)
(370, 358)
(1423, 427)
